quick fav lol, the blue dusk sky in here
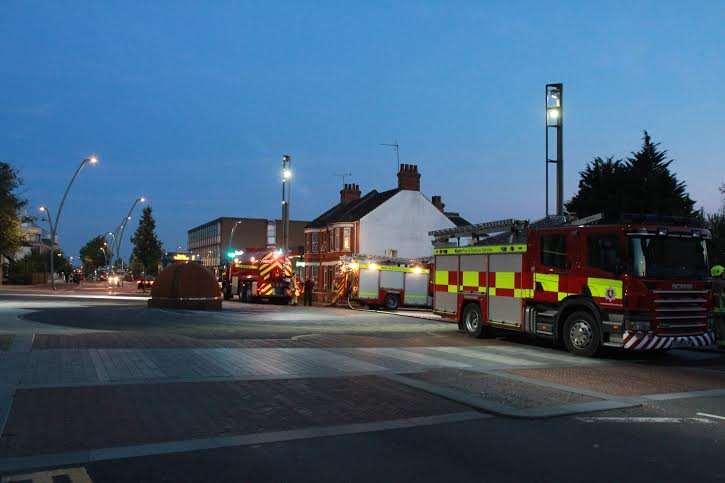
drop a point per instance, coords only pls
(192, 104)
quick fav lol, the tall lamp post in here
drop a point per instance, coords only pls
(231, 236)
(93, 159)
(286, 194)
(122, 227)
(554, 104)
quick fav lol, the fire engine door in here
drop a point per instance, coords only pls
(235, 284)
(446, 300)
(416, 289)
(503, 307)
(369, 284)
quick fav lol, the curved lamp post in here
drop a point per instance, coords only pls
(93, 159)
(122, 227)
(231, 236)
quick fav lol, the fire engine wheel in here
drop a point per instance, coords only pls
(391, 302)
(472, 321)
(582, 336)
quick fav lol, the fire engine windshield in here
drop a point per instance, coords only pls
(667, 258)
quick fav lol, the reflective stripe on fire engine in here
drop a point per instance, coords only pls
(605, 287)
(395, 268)
(549, 282)
(477, 250)
(368, 295)
(441, 277)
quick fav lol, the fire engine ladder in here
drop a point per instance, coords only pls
(476, 232)
(383, 260)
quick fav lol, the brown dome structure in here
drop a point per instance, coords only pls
(186, 286)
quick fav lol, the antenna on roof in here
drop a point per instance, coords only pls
(343, 176)
(395, 146)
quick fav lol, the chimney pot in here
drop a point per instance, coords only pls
(409, 177)
(438, 203)
(349, 192)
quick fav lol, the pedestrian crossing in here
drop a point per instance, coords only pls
(72, 367)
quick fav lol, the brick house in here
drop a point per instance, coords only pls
(393, 223)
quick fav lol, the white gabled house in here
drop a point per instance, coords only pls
(393, 223)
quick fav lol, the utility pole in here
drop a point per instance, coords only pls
(554, 105)
(286, 195)
(396, 147)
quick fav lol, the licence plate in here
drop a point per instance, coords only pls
(682, 343)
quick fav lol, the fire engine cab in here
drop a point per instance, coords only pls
(633, 285)
(258, 275)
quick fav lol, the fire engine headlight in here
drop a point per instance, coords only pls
(638, 325)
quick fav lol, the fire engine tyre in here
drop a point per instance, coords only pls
(391, 302)
(473, 322)
(581, 334)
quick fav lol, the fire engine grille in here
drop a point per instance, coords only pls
(680, 312)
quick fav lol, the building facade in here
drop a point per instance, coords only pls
(210, 241)
(393, 223)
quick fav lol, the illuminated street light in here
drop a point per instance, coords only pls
(554, 105)
(122, 228)
(286, 195)
(92, 159)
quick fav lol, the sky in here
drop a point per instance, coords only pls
(192, 104)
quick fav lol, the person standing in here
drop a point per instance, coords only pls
(309, 287)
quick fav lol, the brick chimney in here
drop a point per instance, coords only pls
(349, 192)
(438, 203)
(409, 177)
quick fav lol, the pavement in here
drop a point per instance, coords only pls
(104, 389)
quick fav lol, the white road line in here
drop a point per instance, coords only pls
(641, 420)
(713, 416)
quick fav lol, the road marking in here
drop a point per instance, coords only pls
(24, 463)
(642, 420)
(75, 475)
(713, 416)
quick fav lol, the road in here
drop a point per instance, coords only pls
(104, 389)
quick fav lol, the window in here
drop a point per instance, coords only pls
(604, 252)
(314, 243)
(553, 251)
(271, 232)
(346, 239)
(338, 245)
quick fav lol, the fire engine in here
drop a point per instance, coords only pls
(258, 275)
(636, 285)
(385, 282)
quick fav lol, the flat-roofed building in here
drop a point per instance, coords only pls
(211, 240)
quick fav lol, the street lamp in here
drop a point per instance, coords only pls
(92, 160)
(231, 238)
(122, 227)
(286, 195)
(554, 105)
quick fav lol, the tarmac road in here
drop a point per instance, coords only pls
(107, 390)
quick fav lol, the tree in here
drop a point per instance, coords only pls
(10, 205)
(147, 251)
(716, 224)
(600, 189)
(92, 256)
(642, 184)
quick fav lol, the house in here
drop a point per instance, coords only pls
(392, 223)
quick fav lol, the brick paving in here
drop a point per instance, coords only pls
(69, 419)
(628, 380)
(139, 340)
(499, 390)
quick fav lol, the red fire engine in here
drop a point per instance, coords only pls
(637, 285)
(258, 275)
(384, 282)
